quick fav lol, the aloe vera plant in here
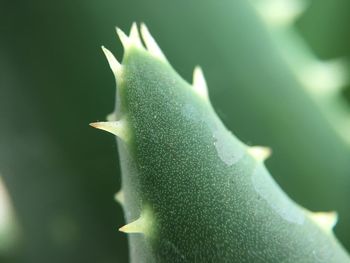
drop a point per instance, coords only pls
(191, 191)
(322, 82)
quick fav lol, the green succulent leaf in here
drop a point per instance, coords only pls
(323, 82)
(191, 191)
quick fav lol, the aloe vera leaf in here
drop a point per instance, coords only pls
(323, 81)
(191, 191)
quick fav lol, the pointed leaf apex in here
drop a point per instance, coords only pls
(112, 61)
(260, 153)
(199, 83)
(151, 44)
(118, 128)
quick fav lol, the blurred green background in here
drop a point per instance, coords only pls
(61, 175)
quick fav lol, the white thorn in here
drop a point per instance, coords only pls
(136, 226)
(325, 77)
(142, 225)
(326, 220)
(126, 41)
(9, 228)
(134, 36)
(113, 62)
(151, 44)
(279, 12)
(118, 128)
(119, 197)
(199, 83)
(260, 153)
(111, 117)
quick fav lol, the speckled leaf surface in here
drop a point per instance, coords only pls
(191, 191)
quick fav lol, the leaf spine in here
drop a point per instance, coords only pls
(280, 12)
(142, 225)
(151, 44)
(118, 128)
(326, 220)
(111, 117)
(124, 39)
(199, 83)
(134, 36)
(119, 197)
(325, 78)
(115, 66)
(260, 153)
